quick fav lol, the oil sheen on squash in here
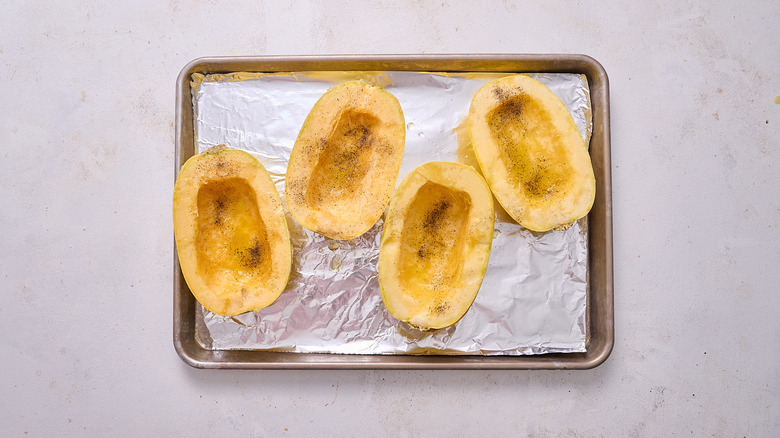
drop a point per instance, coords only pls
(435, 244)
(345, 161)
(531, 153)
(231, 241)
(433, 241)
(231, 234)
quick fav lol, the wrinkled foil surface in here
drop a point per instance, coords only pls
(533, 297)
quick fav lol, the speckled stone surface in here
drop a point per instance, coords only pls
(86, 176)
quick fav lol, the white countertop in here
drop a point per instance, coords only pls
(87, 129)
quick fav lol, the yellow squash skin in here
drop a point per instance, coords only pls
(435, 244)
(531, 153)
(345, 161)
(231, 232)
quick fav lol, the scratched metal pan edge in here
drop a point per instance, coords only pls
(600, 310)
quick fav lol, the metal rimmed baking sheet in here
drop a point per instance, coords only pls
(599, 289)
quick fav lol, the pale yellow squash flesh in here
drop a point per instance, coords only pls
(531, 153)
(345, 161)
(231, 233)
(435, 244)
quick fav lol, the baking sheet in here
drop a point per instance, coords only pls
(533, 298)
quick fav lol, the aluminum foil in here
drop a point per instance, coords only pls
(533, 297)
